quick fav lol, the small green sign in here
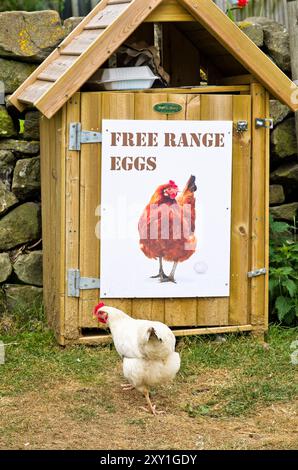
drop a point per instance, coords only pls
(167, 108)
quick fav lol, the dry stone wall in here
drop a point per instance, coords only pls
(26, 39)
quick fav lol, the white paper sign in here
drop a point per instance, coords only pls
(166, 208)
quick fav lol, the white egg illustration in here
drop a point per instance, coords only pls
(200, 267)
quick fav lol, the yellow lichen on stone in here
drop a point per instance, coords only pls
(244, 24)
(25, 43)
(31, 35)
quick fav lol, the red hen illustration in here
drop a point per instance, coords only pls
(167, 226)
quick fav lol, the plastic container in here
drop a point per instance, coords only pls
(124, 78)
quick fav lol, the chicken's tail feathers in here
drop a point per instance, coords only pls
(187, 196)
(161, 333)
(153, 335)
(191, 184)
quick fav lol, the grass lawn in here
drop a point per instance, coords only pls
(234, 394)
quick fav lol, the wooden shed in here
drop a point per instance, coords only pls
(196, 35)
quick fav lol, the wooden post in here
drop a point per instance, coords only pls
(259, 213)
(293, 33)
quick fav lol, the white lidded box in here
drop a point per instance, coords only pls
(124, 78)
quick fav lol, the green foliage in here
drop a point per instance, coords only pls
(32, 5)
(283, 283)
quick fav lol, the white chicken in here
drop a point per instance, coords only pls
(146, 347)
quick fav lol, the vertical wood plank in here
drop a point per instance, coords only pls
(150, 309)
(72, 217)
(47, 235)
(212, 311)
(52, 193)
(240, 228)
(59, 176)
(267, 203)
(90, 177)
(118, 105)
(144, 105)
(183, 312)
(259, 210)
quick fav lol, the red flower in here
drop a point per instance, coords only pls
(242, 3)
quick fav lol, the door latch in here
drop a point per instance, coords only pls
(267, 123)
(257, 272)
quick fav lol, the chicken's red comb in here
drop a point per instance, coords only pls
(96, 308)
(173, 184)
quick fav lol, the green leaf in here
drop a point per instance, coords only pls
(285, 271)
(282, 273)
(279, 227)
(291, 286)
(283, 306)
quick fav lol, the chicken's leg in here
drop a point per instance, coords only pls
(171, 278)
(152, 408)
(161, 275)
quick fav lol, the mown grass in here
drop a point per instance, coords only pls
(253, 375)
(34, 360)
(258, 374)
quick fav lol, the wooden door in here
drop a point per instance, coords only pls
(194, 312)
